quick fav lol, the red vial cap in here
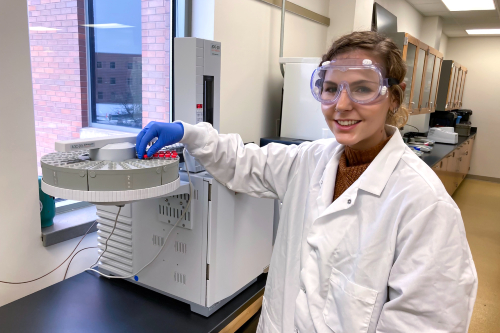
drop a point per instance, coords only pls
(145, 156)
(162, 155)
(174, 154)
(199, 106)
(156, 155)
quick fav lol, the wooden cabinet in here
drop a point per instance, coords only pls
(422, 77)
(451, 86)
(453, 169)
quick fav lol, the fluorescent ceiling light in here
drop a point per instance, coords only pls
(108, 26)
(43, 29)
(483, 31)
(463, 5)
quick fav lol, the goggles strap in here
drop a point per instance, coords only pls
(392, 81)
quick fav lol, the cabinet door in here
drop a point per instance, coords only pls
(447, 176)
(419, 78)
(453, 172)
(425, 105)
(411, 55)
(458, 87)
(435, 82)
(464, 75)
(450, 88)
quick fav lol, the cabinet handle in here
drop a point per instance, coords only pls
(460, 159)
(441, 165)
(453, 154)
(466, 153)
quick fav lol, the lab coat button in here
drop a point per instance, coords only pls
(296, 330)
(349, 201)
(303, 290)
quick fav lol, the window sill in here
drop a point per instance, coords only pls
(70, 225)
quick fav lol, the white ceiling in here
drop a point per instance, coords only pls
(455, 23)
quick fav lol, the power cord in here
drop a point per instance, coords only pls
(161, 249)
(107, 239)
(8, 282)
(413, 127)
(106, 246)
(69, 264)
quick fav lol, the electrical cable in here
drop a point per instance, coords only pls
(107, 239)
(413, 127)
(69, 264)
(7, 282)
(163, 246)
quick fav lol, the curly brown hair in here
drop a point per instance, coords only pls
(385, 49)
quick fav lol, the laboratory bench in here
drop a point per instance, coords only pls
(451, 162)
(89, 303)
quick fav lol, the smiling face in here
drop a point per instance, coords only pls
(359, 126)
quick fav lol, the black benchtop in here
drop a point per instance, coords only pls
(439, 151)
(89, 303)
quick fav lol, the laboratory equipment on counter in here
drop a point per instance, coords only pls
(220, 247)
(107, 173)
(223, 242)
(443, 135)
(443, 119)
(301, 116)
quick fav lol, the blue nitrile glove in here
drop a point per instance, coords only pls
(167, 134)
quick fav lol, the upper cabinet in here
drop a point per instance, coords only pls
(451, 86)
(422, 76)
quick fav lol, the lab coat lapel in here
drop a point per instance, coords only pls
(376, 176)
(373, 180)
(327, 181)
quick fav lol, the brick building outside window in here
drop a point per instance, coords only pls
(78, 47)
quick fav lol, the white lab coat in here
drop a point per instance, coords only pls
(389, 255)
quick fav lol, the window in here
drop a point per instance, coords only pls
(124, 48)
(112, 80)
(81, 45)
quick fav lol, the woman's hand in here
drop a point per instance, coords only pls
(167, 134)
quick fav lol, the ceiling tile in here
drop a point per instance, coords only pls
(431, 9)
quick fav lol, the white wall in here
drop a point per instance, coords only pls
(22, 255)
(251, 81)
(444, 45)
(432, 30)
(480, 55)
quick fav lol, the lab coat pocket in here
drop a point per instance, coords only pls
(349, 306)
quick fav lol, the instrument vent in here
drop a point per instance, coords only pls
(158, 240)
(180, 247)
(179, 278)
(170, 211)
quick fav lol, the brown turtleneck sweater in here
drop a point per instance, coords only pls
(352, 164)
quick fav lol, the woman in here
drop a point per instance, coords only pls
(369, 240)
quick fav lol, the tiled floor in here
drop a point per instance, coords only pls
(479, 202)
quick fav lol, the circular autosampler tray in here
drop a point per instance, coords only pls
(73, 170)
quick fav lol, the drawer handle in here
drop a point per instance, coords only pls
(441, 165)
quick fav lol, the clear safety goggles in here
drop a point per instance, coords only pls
(362, 79)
